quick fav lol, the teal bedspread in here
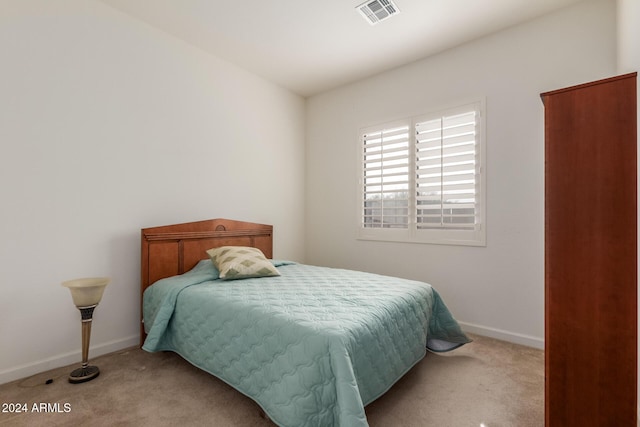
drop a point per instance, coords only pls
(312, 347)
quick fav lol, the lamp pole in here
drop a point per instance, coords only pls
(85, 372)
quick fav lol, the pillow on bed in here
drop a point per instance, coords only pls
(241, 262)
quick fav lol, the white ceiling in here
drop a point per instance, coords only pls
(311, 46)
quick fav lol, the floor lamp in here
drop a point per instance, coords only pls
(86, 294)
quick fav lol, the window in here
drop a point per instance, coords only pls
(421, 179)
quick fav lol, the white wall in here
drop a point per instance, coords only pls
(108, 126)
(497, 290)
(629, 61)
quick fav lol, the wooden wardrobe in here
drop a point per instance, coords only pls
(591, 254)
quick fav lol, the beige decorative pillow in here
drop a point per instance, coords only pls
(241, 262)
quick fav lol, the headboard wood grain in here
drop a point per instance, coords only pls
(170, 250)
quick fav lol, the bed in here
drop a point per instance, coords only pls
(312, 345)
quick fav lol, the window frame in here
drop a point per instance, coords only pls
(411, 234)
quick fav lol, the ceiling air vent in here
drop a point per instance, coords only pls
(378, 10)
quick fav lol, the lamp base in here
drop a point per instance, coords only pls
(84, 374)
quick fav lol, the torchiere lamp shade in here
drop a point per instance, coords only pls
(87, 291)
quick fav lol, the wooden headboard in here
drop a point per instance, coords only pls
(174, 249)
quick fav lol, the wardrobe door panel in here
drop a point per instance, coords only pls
(591, 254)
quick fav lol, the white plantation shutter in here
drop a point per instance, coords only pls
(421, 179)
(386, 177)
(446, 172)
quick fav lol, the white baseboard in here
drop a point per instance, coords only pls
(54, 362)
(528, 340)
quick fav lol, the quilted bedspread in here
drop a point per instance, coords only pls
(312, 347)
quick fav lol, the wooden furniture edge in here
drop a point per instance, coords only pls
(543, 95)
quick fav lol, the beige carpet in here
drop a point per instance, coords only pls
(486, 383)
